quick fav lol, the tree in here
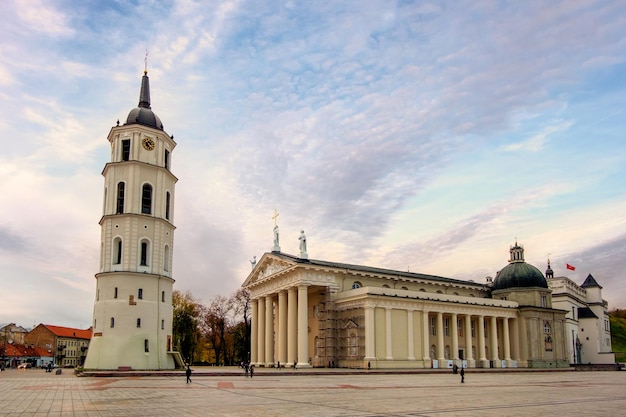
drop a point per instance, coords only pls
(185, 326)
(240, 301)
(214, 326)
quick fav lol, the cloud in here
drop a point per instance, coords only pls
(40, 16)
(10, 241)
(537, 142)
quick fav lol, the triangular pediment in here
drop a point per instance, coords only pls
(269, 265)
(351, 325)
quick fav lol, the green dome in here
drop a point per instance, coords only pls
(519, 274)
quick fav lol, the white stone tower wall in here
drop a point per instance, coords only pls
(133, 310)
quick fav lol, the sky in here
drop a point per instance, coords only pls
(427, 136)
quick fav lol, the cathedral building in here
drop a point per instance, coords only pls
(132, 318)
(314, 313)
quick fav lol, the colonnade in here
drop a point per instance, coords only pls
(495, 337)
(290, 308)
(459, 332)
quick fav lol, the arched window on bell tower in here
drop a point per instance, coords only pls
(167, 205)
(117, 251)
(146, 199)
(145, 246)
(166, 258)
(121, 186)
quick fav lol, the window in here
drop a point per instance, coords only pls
(167, 205)
(162, 324)
(385, 286)
(162, 296)
(459, 326)
(546, 328)
(115, 293)
(143, 261)
(356, 284)
(125, 149)
(146, 199)
(473, 328)
(166, 258)
(433, 327)
(544, 301)
(405, 288)
(146, 347)
(138, 323)
(166, 159)
(353, 344)
(112, 322)
(140, 294)
(120, 197)
(446, 326)
(117, 251)
(573, 313)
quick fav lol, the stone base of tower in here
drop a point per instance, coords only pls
(107, 355)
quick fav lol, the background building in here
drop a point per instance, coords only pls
(67, 346)
(588, 329)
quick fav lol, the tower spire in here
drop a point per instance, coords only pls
(144, 94)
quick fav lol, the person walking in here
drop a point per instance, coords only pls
(251, 371)
(462, 375)
(188, 373)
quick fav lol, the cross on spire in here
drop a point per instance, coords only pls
(275, 216)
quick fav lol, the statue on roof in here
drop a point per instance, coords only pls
(276, 247)
(302, 240)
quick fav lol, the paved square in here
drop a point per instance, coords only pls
(302, 393)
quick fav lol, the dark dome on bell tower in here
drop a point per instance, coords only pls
(143, 114)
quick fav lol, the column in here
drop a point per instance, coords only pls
(303, 327)
(292, 326)
(426, 338)
(269, 331)
(261, 331)
(480, 323)
(506, 342)
(493, 335)
(515, 353)
(468, 341)
(254, 337)
(440, 346)
(369, 334)
(411, 347)
(454, 355)
(388, 347)
(282, 327)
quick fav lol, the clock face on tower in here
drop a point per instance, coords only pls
(148, 144)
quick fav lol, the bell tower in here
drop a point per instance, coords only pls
(132, 317)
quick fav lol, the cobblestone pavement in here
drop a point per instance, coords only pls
(301, 393)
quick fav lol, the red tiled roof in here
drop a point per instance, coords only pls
(16, 350)
(69, 332)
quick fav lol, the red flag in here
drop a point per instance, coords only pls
(570, 267)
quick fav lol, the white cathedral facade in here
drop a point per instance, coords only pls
(132, 317)
(313, 313)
